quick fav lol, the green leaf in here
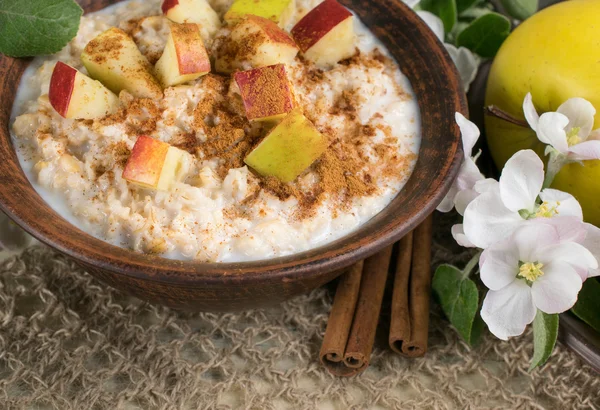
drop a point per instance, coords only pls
(587, 307)
(36, 27)
(520, 9)
(474, 13)
(462, 5)
(459, 299)
(485, 35)
(444, 9)
(545, 332)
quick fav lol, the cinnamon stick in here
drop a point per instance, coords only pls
(368, 307)
(412, 289)
(340, 321)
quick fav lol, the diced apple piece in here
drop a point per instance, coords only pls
(113, 58)
(290, 148)
(154, 164)
(266, 92)
(255, 42)
(75, 95)
(185, 57)
(278, 11)
(326, 34)
(193, 11)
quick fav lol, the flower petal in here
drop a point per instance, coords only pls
(459, 236)
(530, 112)
(571, 253)
(434, 22)
(463, 199)
(594, 135)
(508, 311)
(585, 151)
(551, 130)
(499, 265)
(557, 289)
(469, 132)
(580, 113)
(566, 204)
(592, 243)
(448, 202)
(485, 185)
(521, 181)
(569, 228)
(468, 175)
(531, 237)
(466, 62)
(487, 220)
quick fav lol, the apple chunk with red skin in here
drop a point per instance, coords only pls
(154, 164)
(184, 58)
(75, 95)
(266, 92)
(193, 11)
(255, 42)
(326, 34)
(289, 149)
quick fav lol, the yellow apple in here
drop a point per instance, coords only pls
(555, 55)
(114, 59)
(289, 149)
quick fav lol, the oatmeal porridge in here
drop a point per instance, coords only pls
(221, 137)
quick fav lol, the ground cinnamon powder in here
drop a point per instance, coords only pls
(352, 167)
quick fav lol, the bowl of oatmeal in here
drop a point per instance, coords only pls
(226, 154)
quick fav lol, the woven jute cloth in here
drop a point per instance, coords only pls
(70, 342)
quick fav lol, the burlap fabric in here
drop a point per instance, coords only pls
(69, 342)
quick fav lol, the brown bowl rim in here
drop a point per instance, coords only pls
(332, 256)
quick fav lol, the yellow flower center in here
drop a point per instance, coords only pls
(573, 136)
(545, 210)
(531, 271)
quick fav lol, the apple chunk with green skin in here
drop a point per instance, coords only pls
(114, 59)
(255, 42)
(290, 148)
(266, 92)
(278, 11)
(75, 95)
(326, 34)
(154, 164)
(184, 58)
(193, 11)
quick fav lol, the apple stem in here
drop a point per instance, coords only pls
(503, 115)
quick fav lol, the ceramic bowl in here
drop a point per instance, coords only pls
(234, 286)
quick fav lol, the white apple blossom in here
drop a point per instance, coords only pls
(534, 268)
(434, 22)
(568, 130)
(505, 205)
(466, 62)
(469, 174)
